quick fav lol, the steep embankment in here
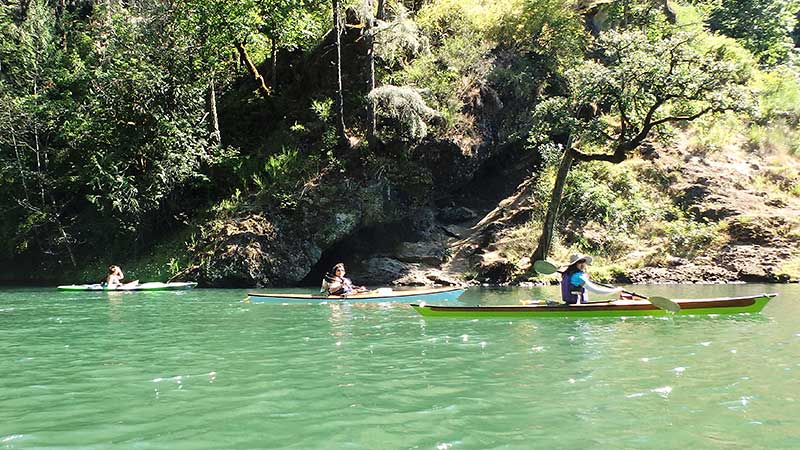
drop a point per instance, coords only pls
(750, 224)
(746, 194)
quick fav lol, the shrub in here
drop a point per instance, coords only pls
(402, 113)
(610, 195)
(687, 238)
(779, 96)
(399, 41)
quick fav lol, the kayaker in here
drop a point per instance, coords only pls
(575, 283)
(335, 283)
(115, 277)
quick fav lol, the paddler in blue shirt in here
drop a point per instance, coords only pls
(575, 283)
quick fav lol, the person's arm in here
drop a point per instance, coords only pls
(597, 289)
(355, 288)
(334, 285)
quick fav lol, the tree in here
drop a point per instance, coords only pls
(33, 57)
(640, 83)
(339, 112)
(95, 142)
(369, 30)
(289, 24)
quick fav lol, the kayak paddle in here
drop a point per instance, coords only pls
(547, 268)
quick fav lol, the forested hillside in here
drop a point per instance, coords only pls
(256, 143)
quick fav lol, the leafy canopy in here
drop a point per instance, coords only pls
(637, 83)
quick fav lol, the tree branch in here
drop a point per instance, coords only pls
(682, 118)
(262, 86)
(617, 157)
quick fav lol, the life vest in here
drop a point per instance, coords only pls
(571, 293)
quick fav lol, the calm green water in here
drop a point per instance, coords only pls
(204, 370)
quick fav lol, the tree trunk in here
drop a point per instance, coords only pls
(61, 8)
(245, 58)
(24, 6)
(57, 220)
(370, 36)
(381, 14)
(796, 32)
(19, 159)
(668, 12)
(546, 238)
(274, 61)
(37, 149)
(216, 136)
(340, 128)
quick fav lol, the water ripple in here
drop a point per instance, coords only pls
(203, 370)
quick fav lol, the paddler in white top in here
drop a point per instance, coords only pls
(335, 283)
(575, 283)
(114, 278)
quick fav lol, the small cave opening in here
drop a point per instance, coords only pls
(364, 243)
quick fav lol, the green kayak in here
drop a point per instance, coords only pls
(152, 286)
(621, 308)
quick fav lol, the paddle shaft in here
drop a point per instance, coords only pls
(625, 291)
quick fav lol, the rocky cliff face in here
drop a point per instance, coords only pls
(763, 229)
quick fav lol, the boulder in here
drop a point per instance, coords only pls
(430, 253)
(382, 270)
(494, 268)
(254, 251)
(753, 230)
(451, 215)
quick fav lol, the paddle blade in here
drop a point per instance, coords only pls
(665, 304)
(544, 267)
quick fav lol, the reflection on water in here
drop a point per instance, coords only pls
(203, 369)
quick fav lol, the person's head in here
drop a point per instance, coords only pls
(338, 270)
(113, 270)
(579, 261)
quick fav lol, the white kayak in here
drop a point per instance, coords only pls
(151, 286)
(379, 295)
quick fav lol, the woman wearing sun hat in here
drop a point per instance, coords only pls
(575, 283)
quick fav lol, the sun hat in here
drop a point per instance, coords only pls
(577, 257)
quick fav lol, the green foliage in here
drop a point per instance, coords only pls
(687, 238)
(610, 196)
(763, 26)
(551, 31)
(779, 95)
(322, 108)
(93, 138)
(443, 19)
(213, 28)
(775, 137)
(402, 113)
(444, 85)
(639, 83)
(457, 59)
(399, 41)
(105, 112)
(283, 167)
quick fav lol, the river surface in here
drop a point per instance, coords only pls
(204, 369)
